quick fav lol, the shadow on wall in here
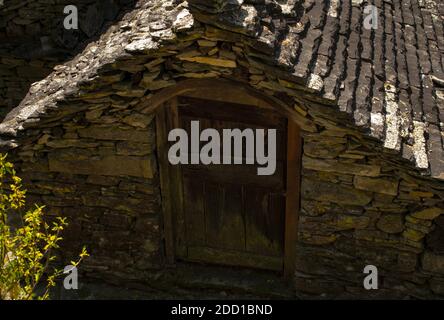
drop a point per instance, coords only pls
(33, 39)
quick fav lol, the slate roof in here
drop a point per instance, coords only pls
(390, 80)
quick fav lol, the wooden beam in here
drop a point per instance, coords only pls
(176, 188)
(185, 87)
(166, 195)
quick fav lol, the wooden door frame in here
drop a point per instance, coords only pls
(165, 104)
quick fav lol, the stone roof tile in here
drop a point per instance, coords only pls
(389, 80)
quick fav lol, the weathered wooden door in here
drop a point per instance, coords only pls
(229, 214)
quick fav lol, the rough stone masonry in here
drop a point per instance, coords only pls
(370, 104)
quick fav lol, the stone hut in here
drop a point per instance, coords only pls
(359, 180)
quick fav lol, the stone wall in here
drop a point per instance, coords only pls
(99, 171)
(359, 209)
(87, 151)
(33, 40)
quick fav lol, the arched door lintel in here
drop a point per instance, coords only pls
(228, 87)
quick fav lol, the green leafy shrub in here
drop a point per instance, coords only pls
(26, 250)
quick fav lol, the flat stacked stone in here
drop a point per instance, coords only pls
(84, 137)
(33, 40)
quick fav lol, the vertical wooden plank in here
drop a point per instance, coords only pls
(294, 147)
(193, 191)
(213, 210)
(263, 226)
(162, 152)
(225, 228)
(223, 217)
(232, 229)
(256, 213)
(277, 203)
(176, 186)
